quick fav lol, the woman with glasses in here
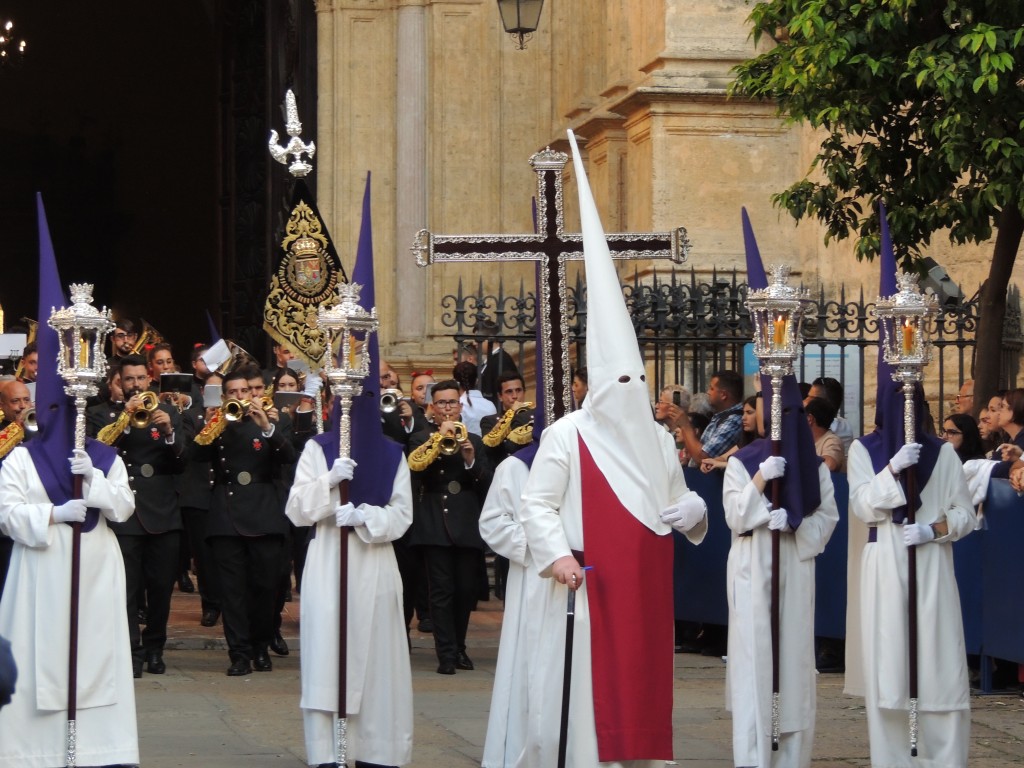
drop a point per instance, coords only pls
(960, 431)
(1010, 416)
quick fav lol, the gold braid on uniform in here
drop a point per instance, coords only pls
(521, 435)
(10, 436)
(501, 429)
(425, 454)
(213, 429)
(111, 433)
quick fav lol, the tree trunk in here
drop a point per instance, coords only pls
(992, 307)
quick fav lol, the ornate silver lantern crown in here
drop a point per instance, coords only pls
(352, 364)
(82, 330)
(905, 322)
(777, 313)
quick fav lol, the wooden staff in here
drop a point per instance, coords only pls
(776, 538)
(570, 623)
(341, 737)
(909, 436)
(76, 570)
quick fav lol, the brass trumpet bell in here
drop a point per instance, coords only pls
(30, 421)
(140, 419)
(451, 443)
(235, 410)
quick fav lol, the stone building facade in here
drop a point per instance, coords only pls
(435, 100)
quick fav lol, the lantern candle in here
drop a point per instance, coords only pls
(780, 331)
(908, 337)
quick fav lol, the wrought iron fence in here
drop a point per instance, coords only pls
(690, 325)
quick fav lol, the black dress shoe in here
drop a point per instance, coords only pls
(155, 663)
(137, 670)
(239, 668)
(446, 668)
(425, 625)
(462, 661)
(210, 616)
(262, 662)
(185, 583)
(278, 644)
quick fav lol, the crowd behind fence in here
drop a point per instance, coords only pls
(689, 325)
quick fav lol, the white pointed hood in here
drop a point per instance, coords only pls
(615, 420)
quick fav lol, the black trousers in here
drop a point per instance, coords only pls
(414, 580)
(249, 568)
(453, 575)
(150, 570)
(206, 575)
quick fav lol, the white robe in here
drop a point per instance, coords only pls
(943, 689)
(552, 516)
(34, 616)
(379, 679)
(749, 670)
(500, 528)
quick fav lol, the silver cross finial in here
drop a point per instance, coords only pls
(295, 146)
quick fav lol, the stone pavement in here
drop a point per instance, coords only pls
(194, 715)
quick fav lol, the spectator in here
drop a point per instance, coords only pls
(820, 415)
(749, 434)
(665, 399)
(1011, 421)
(725, 395)
(961, 431)
(832, 391)
(474, 405)
(579, 387)
(965, 398)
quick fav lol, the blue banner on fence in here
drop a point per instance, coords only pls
(1003, 573)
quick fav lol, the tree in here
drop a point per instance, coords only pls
(922, 105)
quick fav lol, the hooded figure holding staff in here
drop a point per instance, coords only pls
(605, 492)
(805, 519)
(877, 468)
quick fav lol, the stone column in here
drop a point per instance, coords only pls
(411, 171)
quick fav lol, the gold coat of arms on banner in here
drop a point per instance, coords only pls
(306, 278)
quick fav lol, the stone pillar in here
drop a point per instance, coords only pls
(410, 172)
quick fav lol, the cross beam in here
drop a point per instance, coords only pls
(552, 248)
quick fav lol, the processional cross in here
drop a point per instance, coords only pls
(552, 248)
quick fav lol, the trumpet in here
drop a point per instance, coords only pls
(389, 400)
(141, 417)
(450, 443)
(29, 420)
(234, 410)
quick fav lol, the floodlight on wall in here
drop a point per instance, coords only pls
(520, 19)
(941, 284)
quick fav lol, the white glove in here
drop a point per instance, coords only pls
(779, 521)
(773, 467)
(81, 464)
(685, 513)
(312, 385)
(72, 511)
(907, 456)
(348, 515)
(917, 533)
(343, 469)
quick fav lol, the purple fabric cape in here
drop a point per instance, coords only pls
(801, 492)
(888, 437)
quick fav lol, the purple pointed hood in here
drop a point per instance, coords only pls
(377, 457)
(53, 444)
(801, 492)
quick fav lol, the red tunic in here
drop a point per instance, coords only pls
(629, 591)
